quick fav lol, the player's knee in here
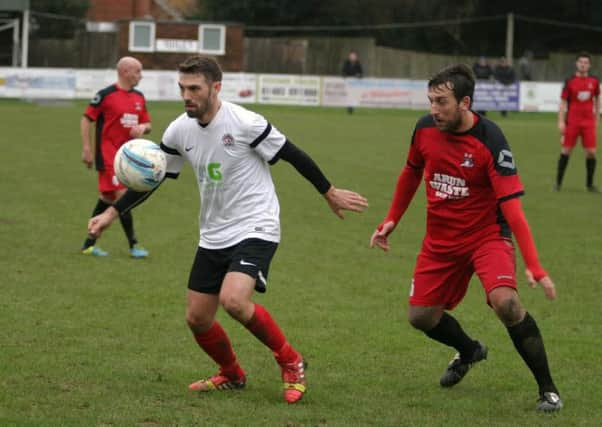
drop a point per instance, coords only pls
(234, 305)
(422, 321)
(508, 308)
(197, 322)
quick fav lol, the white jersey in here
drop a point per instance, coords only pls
(230, 160)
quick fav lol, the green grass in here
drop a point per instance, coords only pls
(103, 342)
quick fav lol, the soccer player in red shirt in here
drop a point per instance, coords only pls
(578, 115)
(120, 114)
(473, 208)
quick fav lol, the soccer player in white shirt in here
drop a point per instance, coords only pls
(230, 149)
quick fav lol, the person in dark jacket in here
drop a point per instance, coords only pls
(482, 71)
(352, 67)
(504, 73)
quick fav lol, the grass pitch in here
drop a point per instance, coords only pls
(103, 342)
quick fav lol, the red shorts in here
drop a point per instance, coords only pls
(107, 182)
(587, 131)
(443, 280)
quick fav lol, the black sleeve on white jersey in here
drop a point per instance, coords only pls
(304, 165)
(173, 152)
(491, 135)
(132, 198)
(263, 136)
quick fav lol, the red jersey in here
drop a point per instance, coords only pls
(115, 112)
(467, 175)
(579, 92)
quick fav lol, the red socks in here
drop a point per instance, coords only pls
(263, 326)
(217, 345)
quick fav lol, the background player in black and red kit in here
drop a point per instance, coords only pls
(473, 207)
(578, 115)
(120, 114)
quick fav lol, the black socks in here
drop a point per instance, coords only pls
(100, 207)
(529, 344)
(590, 167)
(449, 332)
(562, 162)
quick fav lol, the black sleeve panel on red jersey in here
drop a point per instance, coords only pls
(511, 196)
(102, 94)
(492, 137)
(425, 122)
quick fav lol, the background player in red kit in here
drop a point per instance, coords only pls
(120, 114)
(473, 191)
(578, 115)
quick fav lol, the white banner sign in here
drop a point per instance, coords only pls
(382, 93)
(176, 45)
(53, 83)
(286, 89)
(240, 88)
(539, 96)
(277, 89)
(88, 82)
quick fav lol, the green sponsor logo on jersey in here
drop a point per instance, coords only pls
(213, 171)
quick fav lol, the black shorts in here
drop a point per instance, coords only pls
(251, 256)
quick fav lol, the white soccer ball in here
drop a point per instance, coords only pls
(140, 164)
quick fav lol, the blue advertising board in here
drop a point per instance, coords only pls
(494, 96)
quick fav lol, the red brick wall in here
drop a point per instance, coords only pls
(114, 10)
(232, 61)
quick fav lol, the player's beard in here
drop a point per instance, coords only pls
(203, 106)
(453, 124)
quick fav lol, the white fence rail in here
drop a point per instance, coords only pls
(277, 89)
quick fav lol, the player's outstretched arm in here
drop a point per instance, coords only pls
(407, 184)
(562, 116)
(337, 199)
(513, 212)
(140, 130)
(127, 202)
(380, 237)
(84, 128)
(545, 282)
(340, 200)
(99, 223)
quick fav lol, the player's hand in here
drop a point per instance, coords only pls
(87, 157)
(340, 200)
(137, 131)
(380, 237)
(99, 223)
(545, 282)
(561, 127)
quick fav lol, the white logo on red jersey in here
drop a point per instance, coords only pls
(449, 187)
(584, 95)
(468, 161)
(129, 120)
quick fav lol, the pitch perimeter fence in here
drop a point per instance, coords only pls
(277, 89)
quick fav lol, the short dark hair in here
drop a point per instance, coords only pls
(583, 54)
(458, 78)
(205, 65)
